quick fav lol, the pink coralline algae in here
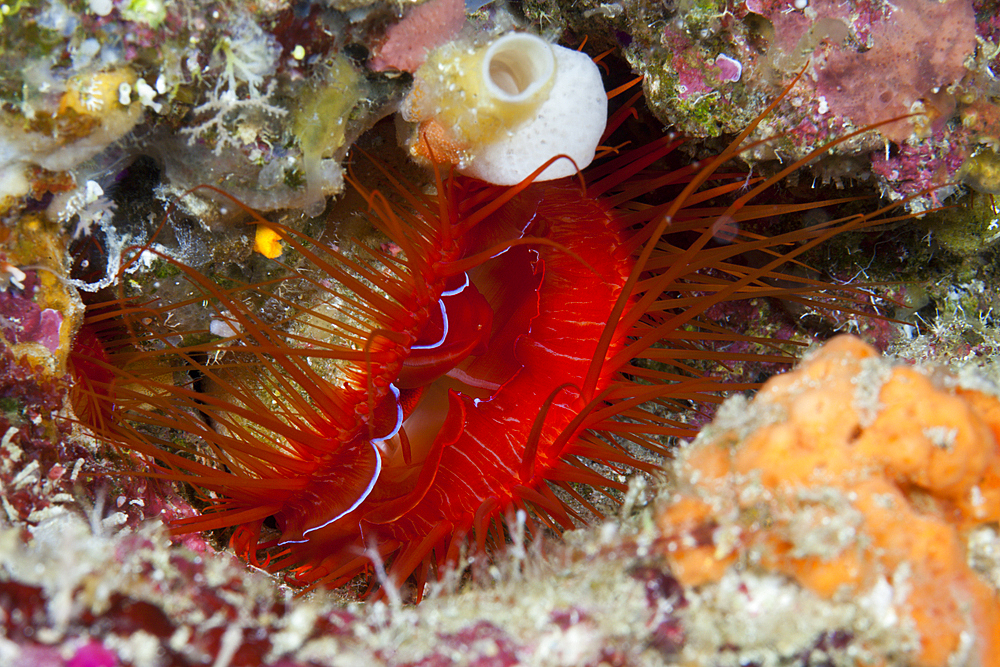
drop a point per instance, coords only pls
(689, 66)
(879, 59)
(868, 61)
(424, 28)
(862, 62)
(915, 168)
(730, 69)
(916, 52)
(690, 78)
(93, 654)
(989, 21)
(22, 321)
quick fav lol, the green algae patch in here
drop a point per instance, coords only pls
(320, 124)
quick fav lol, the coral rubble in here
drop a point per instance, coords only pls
(75, 593)
(852, 480)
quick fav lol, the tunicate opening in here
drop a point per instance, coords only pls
(518, 66)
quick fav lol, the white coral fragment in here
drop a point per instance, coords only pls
(248, 55)
(92, 207)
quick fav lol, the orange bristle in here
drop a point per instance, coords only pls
(406, 396)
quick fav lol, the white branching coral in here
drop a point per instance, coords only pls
(249, 54)
(229, 118)
(244, 58)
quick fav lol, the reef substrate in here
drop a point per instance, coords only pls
(891, 562)
(111, 589)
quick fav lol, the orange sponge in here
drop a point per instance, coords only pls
(846, 474)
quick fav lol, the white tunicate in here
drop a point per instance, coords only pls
(84, 53)
(569, 122)
(517, 67)
(101, 7)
